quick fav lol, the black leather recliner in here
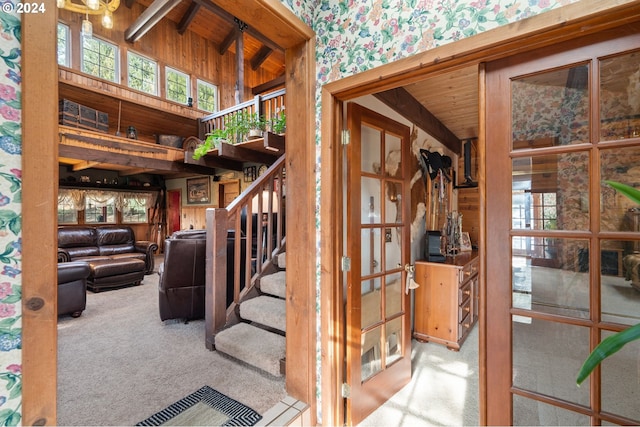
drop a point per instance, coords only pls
(72, 287)
(182, 275)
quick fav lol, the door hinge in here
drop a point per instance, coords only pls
(346, 391)
(345, 263)
(346, 137)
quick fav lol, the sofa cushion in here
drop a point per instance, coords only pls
(114, 235)
(74, 237)
(117, 249)
(114, 267)
(82, 252)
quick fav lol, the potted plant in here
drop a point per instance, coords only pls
(279, 123)
(211, 142)
(257, 126)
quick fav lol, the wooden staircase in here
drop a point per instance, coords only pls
(258, 339)
(252, 329)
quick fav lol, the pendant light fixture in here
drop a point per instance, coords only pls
(87, 27)
(91, 7)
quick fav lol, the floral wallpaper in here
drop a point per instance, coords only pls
(10, 222)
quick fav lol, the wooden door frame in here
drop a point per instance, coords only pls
(177, 191)
(40, 187)
(565, 23)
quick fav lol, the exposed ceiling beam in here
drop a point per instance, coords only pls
(129, 3)
(228, 40)
(188, 17)
(132, 171)
(212, 162)
(229, 17)
(260, 57)
(407, 106)
(83, 165)
(272, 84)
(149, 18)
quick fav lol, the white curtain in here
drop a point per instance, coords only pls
(77, 198)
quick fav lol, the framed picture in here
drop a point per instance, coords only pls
(198, 191)
(465, 241)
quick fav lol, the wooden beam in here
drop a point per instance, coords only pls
(129, 3)
(229, 17)
(260, 57)
(239, 67)
(272, 84)
(407, 106)
(159, 165)
(212, 162)
(83, 165)
(149, 18)
(228, 41)
(188, 17)
(234, 152)
(132, 171)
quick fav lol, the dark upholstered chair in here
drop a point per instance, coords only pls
(182, 275)
(181, 284)
(72, 287)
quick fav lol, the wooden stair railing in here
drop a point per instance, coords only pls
(265, 198)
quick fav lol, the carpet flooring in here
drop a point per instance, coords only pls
(119, 364)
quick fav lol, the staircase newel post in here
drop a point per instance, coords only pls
(216, 273)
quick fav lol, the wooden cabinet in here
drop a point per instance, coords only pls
(446, 302)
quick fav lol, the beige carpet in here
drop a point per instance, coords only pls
(118, 363)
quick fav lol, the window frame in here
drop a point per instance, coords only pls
(168, 70)
(217, 98)
(123, 216)
(156, 73)
(116, 48)
(67, 44)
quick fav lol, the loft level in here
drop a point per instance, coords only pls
(150, 115)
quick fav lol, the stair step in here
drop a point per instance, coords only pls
(274, 284)
(266, 310)
(281, 260)
(254, 346)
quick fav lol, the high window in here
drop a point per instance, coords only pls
(100, 58)
(207, 96)
(64, 45)
(177, 85)
(142, 74)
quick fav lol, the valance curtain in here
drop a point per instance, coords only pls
(77, 198)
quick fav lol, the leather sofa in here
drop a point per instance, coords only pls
(72, 287)
(114, 255)
(181, 286)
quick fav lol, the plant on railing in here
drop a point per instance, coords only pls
(615, 342)
(239, 127)
(279, 123)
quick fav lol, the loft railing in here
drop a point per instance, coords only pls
(267, 106)
(250, 231)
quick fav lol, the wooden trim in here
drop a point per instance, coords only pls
(301, 189)
(39, 219)
(332, 309)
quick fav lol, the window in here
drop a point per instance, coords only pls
(100, 58)
(67, 213)
(134, 209)
(64, 45)
(99, 208)
(207, 96)
(143, 74)
(177, 85)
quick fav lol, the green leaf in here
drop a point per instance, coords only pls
(606, 348)
(631, 193)
(13, 419)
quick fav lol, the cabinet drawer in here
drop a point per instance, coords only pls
(464, 326)
(464, 308)
(468, 270)
(464, 292)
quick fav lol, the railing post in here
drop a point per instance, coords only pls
(216, 273)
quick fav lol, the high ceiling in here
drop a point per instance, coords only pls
(213, 23)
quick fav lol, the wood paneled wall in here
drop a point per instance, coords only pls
(188, 52)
